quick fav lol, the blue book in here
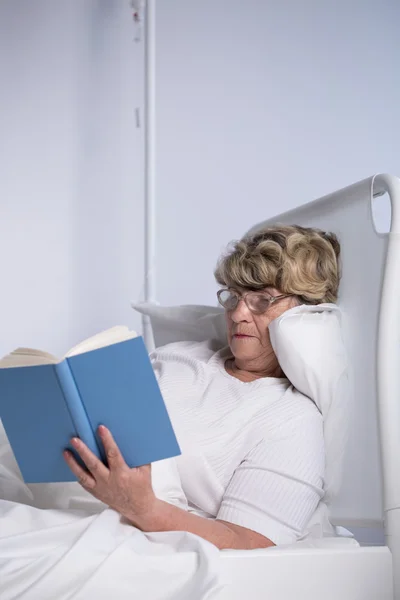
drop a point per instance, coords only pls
(106, 380)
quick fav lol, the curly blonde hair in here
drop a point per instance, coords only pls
(302, 261)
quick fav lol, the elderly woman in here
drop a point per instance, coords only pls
(252, 463)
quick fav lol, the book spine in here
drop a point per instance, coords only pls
(76, 408)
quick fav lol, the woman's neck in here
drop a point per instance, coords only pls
(248, 372)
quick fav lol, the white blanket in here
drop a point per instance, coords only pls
(48, 554)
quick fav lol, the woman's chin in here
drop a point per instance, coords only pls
(241, 346)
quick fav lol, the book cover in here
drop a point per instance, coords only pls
(43, 406)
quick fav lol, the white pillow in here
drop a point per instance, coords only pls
(187, 323)
(308, 343)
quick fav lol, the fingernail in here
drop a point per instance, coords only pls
(102, 429)
(75, 441)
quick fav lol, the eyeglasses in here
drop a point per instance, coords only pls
(257, 302)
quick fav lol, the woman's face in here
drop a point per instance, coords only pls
(248, 334)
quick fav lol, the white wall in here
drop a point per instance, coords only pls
(71, 206)
(262, 106)
(109, 213)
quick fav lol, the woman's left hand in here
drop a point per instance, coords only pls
(128, 491)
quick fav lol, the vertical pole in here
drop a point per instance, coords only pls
(149, 167)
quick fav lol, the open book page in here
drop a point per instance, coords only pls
(27, 357)
(120, 333)
(31, 357)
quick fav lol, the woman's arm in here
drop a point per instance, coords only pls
(129, 491)
(224, 535)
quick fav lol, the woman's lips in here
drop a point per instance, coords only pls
(241, 335)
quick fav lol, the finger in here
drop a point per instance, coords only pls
(85, 479)
(114, 457)
(94, 465)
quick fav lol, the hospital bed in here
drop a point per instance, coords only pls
(47, 554)
(332, 568)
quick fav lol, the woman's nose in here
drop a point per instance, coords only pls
(241, 312)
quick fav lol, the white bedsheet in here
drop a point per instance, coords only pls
(49, 554)
(81, 549)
